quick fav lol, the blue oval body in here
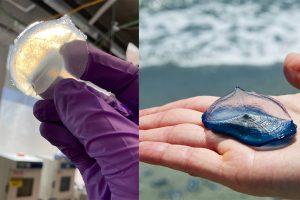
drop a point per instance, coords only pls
(251, 118)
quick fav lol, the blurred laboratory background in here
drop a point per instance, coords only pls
(30, 168)
(199, 47)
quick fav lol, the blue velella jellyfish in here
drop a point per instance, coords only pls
(254, 119)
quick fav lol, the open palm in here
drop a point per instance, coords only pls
(173, 136)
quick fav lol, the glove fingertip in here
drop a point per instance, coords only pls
(44, 131)
(38, 108)
(44, 109)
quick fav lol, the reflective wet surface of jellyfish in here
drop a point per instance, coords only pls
(250, 118)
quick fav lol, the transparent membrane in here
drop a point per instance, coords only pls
(34, 59)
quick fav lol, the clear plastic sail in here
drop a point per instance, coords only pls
(251, 118)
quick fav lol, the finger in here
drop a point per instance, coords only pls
(75, 55)
(182, 134)
(105, 71)
(148, 111)
(170, 118)
(292, 69)
(45, 111)
(195, 161)
(60, 137)
(107, 136)
(200, 103)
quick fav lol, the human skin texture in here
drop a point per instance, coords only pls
(173, 136)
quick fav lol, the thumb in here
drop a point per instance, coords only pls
(292, 69)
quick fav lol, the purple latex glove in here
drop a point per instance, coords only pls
(95, 131)
(104, 70)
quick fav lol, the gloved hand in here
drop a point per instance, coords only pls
(98, 133)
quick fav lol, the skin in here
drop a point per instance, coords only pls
(173, 136)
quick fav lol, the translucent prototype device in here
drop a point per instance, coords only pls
(34, 59)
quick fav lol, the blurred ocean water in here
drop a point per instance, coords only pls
(193, 33)
(207, 47)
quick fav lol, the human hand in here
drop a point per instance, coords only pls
(173, 136)
(96, 132)
(104, 70)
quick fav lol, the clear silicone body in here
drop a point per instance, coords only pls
(35, 61)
